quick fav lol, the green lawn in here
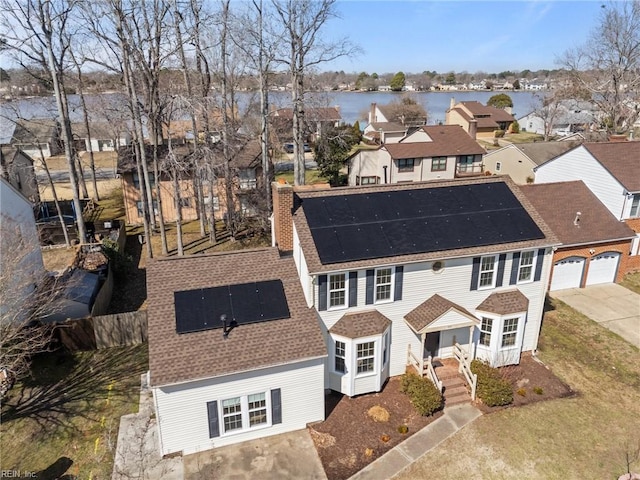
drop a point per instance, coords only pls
(64, 420)
(632, 282)
(311, 177)
(583, 437)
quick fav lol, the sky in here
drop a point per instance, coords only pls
(452, 35)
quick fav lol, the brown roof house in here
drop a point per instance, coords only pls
(611, 170)
(235, 352)
(595, 245)
(317, 119)
(242, 345)
(433, 152)
(519, 159)
(38, 137)
(246, 167)
(478, 120)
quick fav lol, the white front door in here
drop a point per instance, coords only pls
(567, 273)
(603, 268)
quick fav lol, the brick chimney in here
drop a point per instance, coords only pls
(473, 128)
(617, 138)
(282, 215)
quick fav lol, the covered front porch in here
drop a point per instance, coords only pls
(446, 331)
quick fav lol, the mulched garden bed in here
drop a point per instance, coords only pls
(350, 439)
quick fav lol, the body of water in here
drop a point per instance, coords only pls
(353, 105)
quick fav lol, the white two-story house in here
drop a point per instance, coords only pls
(360, 284)
(611, 170)
(434, 152)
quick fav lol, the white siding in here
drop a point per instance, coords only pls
(303, 270)
(182, 409)
(453, 283)
(450, 172)
(418, 136)
(579, 164)
(369, 163)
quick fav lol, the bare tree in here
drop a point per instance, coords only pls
(35, 31)
(303, 21)
(548, 107)
(24, 297)
(608, 65)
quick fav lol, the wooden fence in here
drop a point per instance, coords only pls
(103, 331)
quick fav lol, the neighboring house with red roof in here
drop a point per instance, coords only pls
(371, 281)
(431, 152)
(595, 245)
(478, 120)
(611, 170)
(519, 159)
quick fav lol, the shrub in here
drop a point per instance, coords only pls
(538, 390)
(492, 389)
(522, 392)
(515, 127)
(498, 133)
(403, 429)
(424, 395)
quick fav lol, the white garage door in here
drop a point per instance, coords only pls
(567, 273)
(603, 268)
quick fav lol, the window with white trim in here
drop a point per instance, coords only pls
(635, 206)
(384, 279)
(485, 331)
(232, 414)
(372, 180)
(487, 272)
(337, 290)
(339, 365)
(365, 354)
(525, 269)
(241, 413)
(509, 332)
(498, 166)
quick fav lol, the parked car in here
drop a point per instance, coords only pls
(288, 147)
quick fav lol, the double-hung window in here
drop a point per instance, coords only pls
(525, 269)
(339, 365)
(509, 332)
(248, 411)
(406, 164)
(232, 414)
(337, 290)
(487, 272)
(485, 331)
(438, 164)
(635, 206)
(384, 279)
(365, 353)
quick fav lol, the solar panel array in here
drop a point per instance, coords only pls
(401, 222)
(201, 309)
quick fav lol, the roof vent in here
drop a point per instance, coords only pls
(576, 221)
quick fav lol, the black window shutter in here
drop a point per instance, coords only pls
(276, 407)
(353, 289)
(212, 413)
(475, 273)
(514, 269)
(322, 292)
(397, 294)
(501, 259)
(539, 262)
(369, 290)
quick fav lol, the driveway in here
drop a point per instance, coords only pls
(612, 306)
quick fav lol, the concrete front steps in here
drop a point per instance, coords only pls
(455, 389)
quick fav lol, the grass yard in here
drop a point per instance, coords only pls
(583, 437)
(523, 137)
(311, 177)
(632, 282)
(64, 420)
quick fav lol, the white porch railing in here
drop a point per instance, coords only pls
(431, 373)
(464, 367)
(421, 364)
(414, 361)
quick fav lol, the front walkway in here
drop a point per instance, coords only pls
(611, 305)
(419, 444)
